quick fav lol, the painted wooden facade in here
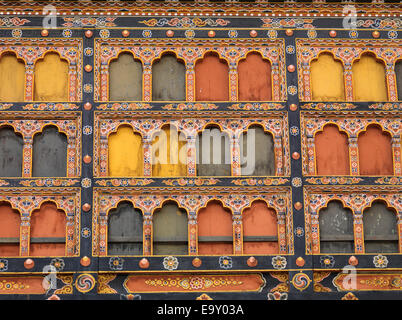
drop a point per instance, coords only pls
(82, 109)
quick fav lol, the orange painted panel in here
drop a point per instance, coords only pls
(260, 247)
(10, 222)
(375, 152)
(254, 78)
(332, 152)
(48, 222)
(194, 283)
(211, 79)
(215, 220)
(22, 285)
(259, 220)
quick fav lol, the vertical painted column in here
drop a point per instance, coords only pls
(314, 227)
(102, 221)
(70, 236)
(71, 149)
(27, 157)
(354, 155)
(310, 155)
(348, 81)
(72, 82)
(306, 81)
(147, 148)
(190, 83)
(192, 233)
(24, 234)
(237, 233)
(396, 153)
(276, 82)
(279, 155)
(233, 81)
(147, 81)
(103, 156)
(282, 232)
(29, 81)
(391, 81)
(147, 234)
(235, 151)
(358, 231)
(104, 76)
(191, 155)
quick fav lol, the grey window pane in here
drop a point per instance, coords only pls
(11, 149)
(125, 230)
(398, 72)
(168, 79)
(257, 152)
(125, 78)
(336, 224)
(49, 153)
(170, 225)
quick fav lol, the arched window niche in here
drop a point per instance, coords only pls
(49, 153)
(254, 78)
(375, 152)
(369, 80)
(48, 231)
(12, 78)
(168, 78)
(125, 230)
(260, 229)
(336, 228)
(380, 228)
(215, 229)
(327, 80)
(213, 152)
(170, 230)
(211, 78)
(10, 222)
(11, 152)
(51, 78)
(332, 151)
(169, 153)
(257, 152)
(125, 153)
(125, 78)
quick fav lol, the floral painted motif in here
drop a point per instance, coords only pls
(3, 265)
(116, 263)
(170, 263)
(204, 297)
(88, 22)
(58, 263)
(225, 262)
(277, 295)
(380, 261)
(86, 183)
(279, 262)
(299, 232)
(12, 21)
(297, 182)
(349, 296)
(185, 22)
(327, 261)
(86, 232)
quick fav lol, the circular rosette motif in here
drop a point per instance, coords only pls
(380, 261)
(85, 282)
(116, 263)
(301, 281)
(327, 261)
(225, 262)
(58, 264)
(3, 265)
(279, 262)
(277, 295)
(170, 263)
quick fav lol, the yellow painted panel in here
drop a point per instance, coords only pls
(12, 78)
(51, 79)
(369, 82)
(125, 153)
(327, 79)
(170, 154)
